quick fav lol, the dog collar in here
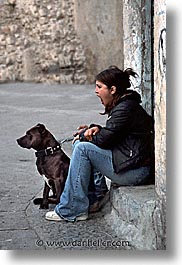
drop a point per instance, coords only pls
(48, 151)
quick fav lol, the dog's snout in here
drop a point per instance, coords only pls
(21, 142)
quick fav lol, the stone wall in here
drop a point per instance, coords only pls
(64, 41)
(38, 42)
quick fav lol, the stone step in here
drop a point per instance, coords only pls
(131, 215)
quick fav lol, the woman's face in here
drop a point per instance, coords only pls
(104, 93)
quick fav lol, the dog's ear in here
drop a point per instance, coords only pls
(41, 128)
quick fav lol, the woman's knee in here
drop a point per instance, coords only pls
(79, 146)
(82, 146)
(75, 144)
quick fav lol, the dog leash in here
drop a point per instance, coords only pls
(68, 139)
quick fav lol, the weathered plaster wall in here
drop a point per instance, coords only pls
(137, 43)
(99, 26)
(160, 95)
(160, 115)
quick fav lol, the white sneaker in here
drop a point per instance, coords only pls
(82, 217)
(53, 216)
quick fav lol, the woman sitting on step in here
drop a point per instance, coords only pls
(122, 150)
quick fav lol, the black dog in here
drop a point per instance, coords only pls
(52, 163)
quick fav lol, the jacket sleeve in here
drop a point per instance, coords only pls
(116, 126)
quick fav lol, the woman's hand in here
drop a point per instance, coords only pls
(80, 129)
(90, 132)
(75, 139)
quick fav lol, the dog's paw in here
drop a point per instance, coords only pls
(38, 201)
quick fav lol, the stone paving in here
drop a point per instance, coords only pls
(22, 224)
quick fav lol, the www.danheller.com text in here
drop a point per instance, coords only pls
(84, 243)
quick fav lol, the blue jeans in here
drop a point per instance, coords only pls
(87, 158)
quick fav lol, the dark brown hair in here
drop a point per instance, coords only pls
(113, 76)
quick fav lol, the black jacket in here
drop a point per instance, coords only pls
(128, 134)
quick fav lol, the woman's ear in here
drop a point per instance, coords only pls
(113, 90)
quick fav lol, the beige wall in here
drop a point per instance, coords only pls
(99, 26)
